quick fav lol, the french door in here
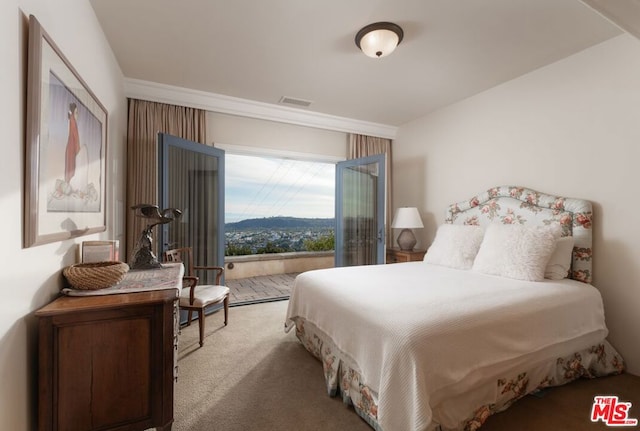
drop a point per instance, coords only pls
(360, 203)
(192, 180)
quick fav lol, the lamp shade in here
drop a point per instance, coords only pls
(379, 39)
(407, 218)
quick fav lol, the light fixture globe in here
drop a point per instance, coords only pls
(379, 39)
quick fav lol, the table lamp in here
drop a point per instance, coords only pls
(407, 218)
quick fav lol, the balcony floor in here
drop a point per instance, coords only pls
(263, 288)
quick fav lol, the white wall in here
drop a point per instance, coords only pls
(233, 130)
(571, 128)
(31, 277)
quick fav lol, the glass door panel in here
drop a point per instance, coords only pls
(192, 180)
(360, 188)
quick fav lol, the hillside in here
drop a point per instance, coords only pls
(281, 223)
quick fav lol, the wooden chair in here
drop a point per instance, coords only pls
(194, 296)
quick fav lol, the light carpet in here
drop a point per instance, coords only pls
(250, 375)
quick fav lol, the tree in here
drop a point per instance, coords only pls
(237, 250)
(323, 243)
(270, 248)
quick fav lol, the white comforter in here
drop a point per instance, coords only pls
(421, 333)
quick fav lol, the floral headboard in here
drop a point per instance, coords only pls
(510, 205)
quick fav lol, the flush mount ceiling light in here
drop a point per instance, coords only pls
(379, 39)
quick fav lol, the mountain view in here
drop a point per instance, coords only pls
(278, 235)
(282, 223)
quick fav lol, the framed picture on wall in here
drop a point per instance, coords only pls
(66, 144)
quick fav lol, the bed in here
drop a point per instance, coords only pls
(483, 321)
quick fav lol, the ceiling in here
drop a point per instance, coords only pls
(304, 49)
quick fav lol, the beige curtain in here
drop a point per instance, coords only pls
(363, 146)
(146, 120)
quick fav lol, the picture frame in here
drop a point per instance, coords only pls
(66, 148)
(99, 251)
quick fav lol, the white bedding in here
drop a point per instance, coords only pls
(417, 344)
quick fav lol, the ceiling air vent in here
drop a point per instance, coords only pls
(293, 101)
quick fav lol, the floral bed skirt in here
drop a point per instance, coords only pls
(342, 377)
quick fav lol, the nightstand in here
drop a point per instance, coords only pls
(395, 255)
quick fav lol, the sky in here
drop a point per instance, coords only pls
(257, 187)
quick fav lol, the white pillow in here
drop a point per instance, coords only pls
(455, 246)
(516, 251)
(560, 260)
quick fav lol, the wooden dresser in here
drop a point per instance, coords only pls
(108, 362)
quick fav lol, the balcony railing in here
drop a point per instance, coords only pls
(254, 265)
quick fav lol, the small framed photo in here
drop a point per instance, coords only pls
(99, 251)
(66, 144)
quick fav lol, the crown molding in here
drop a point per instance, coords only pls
(162, 93)
(624, 14)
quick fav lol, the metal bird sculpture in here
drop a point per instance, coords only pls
(143, 257)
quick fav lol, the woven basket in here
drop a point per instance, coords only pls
(93, 276)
